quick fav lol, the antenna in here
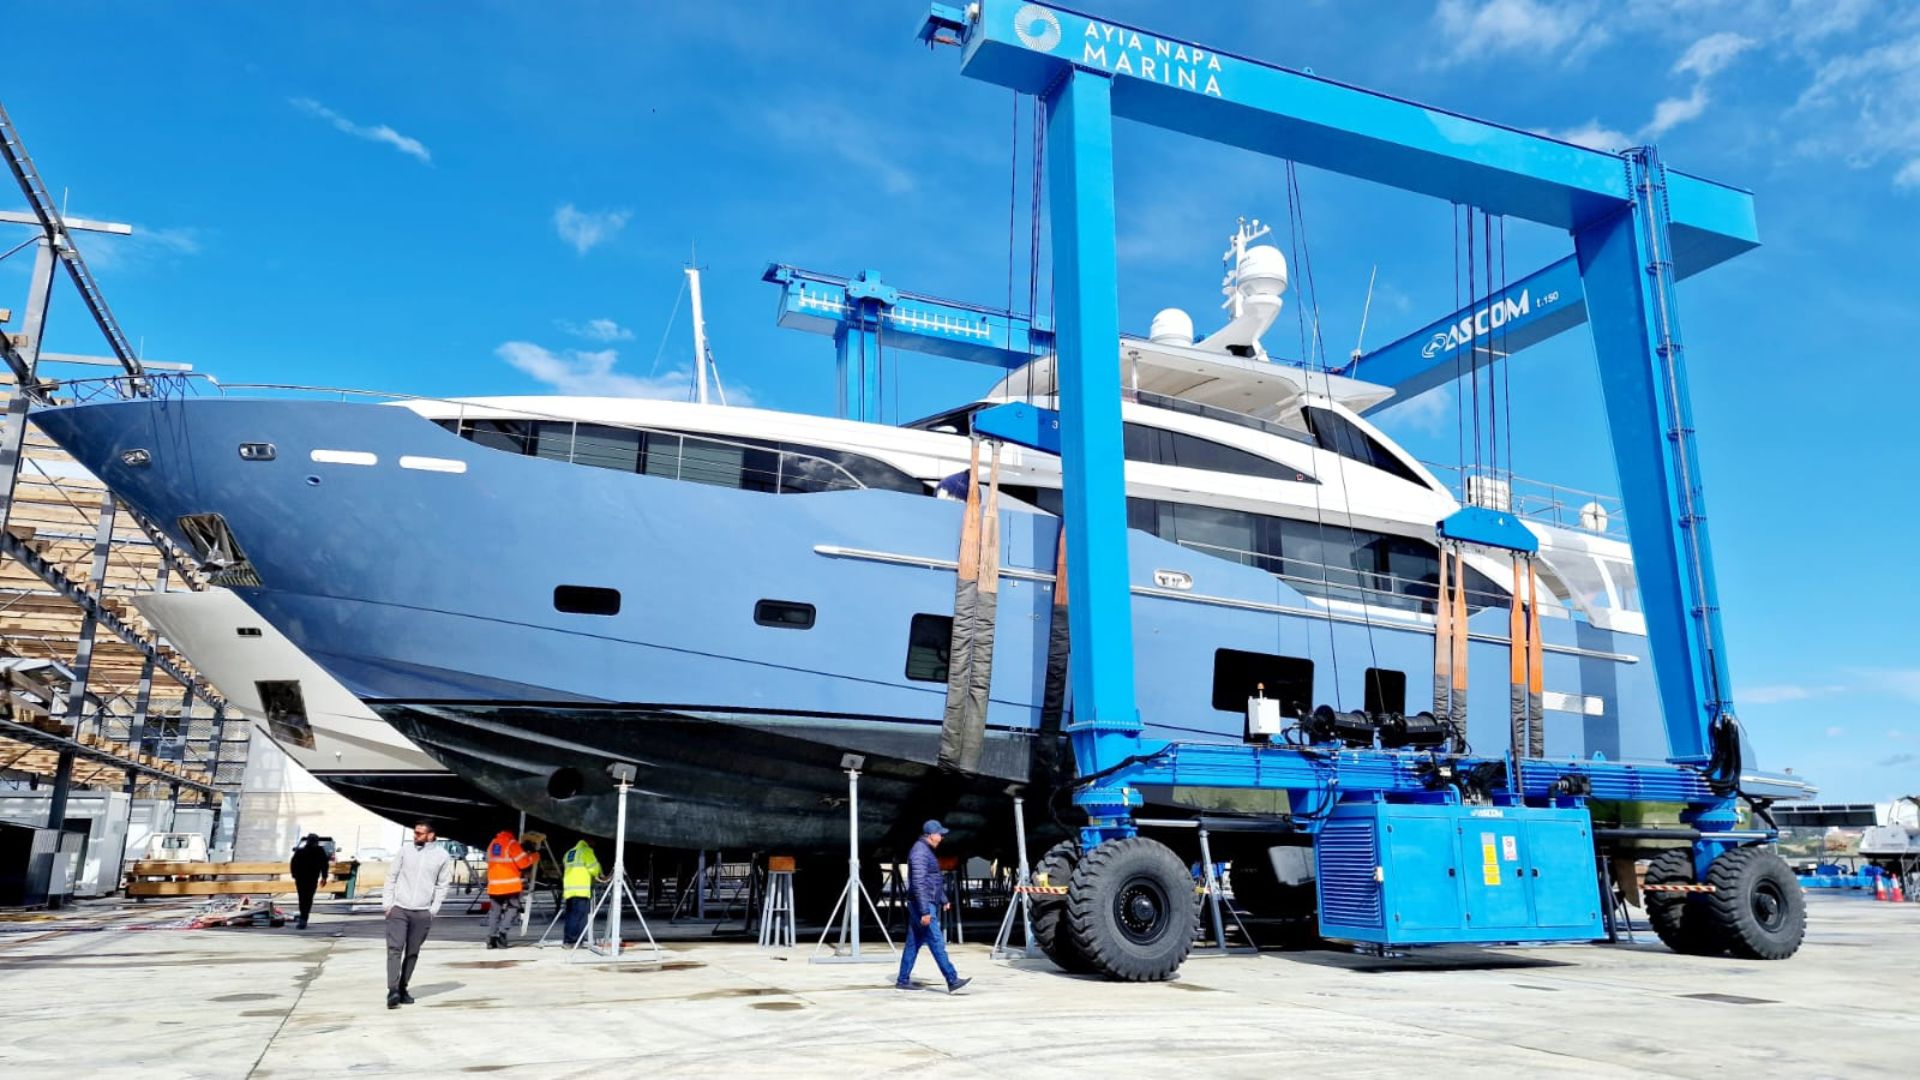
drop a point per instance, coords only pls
(1365, 309)
(699, 338)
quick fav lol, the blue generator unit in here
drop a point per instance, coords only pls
(1432, 874)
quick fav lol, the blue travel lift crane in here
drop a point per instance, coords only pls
(863, 314)
(1402, 856)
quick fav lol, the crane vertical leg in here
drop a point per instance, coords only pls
(1105, 727)
(842, 389)
(1624, 270)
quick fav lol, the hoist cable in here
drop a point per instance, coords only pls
(1303, 253)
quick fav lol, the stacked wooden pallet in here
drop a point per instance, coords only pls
(151, 878)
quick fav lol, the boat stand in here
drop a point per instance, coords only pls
(616, 896)
(1218, 910)
(847, 949)
(1021, 903)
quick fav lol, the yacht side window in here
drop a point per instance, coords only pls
(1335, 433)
(1158, 446)
(747, 464)
(1624, 583)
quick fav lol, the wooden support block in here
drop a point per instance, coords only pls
(205, 887)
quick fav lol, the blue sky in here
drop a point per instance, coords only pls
(450, 199)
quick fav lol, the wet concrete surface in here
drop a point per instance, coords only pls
(88, 994)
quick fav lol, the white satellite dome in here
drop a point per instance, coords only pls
(1263, 271)
(1593, 517)
(1172, 327)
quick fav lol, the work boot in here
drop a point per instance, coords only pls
(393, 999)
(957, 985)
(493, 943)
(406, 998)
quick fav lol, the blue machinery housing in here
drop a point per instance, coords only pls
(1636, 227)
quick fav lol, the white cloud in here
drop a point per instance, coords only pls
(146, 247)
(1774, 695)
(1711, 54)
(1900, 682)
(1815, 19)
(1594, 136)
(1477, 30)
(379, 133)
(1674, 111)
(592, 374)
(1835, 732)
(1863, 109)
(588, 229)
(601, 330)
(852, 137)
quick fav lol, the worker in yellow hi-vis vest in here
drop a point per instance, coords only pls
(581, 870)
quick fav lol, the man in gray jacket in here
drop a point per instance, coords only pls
(416, 884)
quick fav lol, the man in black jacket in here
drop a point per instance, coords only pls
(926, 899)
(309, 868)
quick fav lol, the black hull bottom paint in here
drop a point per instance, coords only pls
(729, 779)
(457, 809)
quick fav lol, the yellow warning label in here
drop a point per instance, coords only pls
(1489, 860)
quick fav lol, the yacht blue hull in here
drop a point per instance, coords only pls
(430, 593)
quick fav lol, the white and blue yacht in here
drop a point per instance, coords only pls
(733, 598)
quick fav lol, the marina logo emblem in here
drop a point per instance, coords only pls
(1037, 28)
(1483, 322)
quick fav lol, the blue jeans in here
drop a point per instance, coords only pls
(930, 936)
(576, 918)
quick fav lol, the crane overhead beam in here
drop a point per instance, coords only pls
(863, 314)
(1223, 98)
(1525, 313)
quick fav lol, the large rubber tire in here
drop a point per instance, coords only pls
(1681, 920)
(1756, 904)
(1131, 909)
(1050, 911)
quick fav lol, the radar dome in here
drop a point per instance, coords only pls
(1175, 327)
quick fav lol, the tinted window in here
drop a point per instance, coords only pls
(1158, 446)
(513, 436)
(1386, 691)
(785, 614)
(1336, 433)
(748, 464)
(1237, 675)
(928, 639)
(586, 600)
(1330, 561)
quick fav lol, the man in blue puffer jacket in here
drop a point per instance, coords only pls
(926, 899)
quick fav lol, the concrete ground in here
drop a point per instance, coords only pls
(87, 994)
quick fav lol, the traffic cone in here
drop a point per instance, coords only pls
(1879, 887)
(1899, 894)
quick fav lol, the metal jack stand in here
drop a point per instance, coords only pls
(618, 890)
(1022, 902)
(848, 949)
(1218, 910)
(776, 914)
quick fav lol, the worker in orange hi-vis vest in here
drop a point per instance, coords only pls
(507, 864)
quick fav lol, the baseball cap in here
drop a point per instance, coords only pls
(932, 828)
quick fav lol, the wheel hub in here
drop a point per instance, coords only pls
(1769, 907)
(1140, 910)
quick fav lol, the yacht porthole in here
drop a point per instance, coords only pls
(313, 481)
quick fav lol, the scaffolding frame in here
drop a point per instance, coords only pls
(90, 694)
